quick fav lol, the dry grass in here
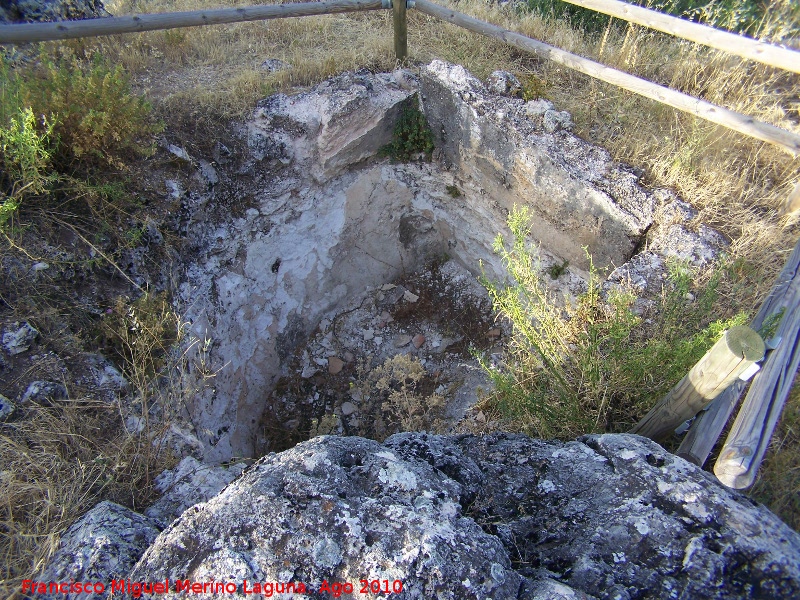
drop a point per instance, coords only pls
(216, 73)
(201, 78)
(58, 462)
(59, 458)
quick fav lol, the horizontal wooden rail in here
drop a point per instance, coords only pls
(716, 114)
(746, 47)
(708, 426)
(62, 30)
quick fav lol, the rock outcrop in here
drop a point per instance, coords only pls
(521, 153)
(311, 215)
(501, 516)
(102, 545)
(32, 11)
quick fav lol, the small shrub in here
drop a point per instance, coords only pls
(453, 191)
(557, 270)
(25, 160)
(67, 125)
(533, 88)
(412, 136)
(592, 366)
(139, 334)
(393, 397)
(97, 120)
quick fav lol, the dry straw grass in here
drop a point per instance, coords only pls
(60, 458)
(204, 77)
(57, 463)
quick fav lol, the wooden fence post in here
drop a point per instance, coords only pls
(734, 353)
(400, 30)
(752, 430)
(708, 426)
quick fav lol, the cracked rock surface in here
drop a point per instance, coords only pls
(498, 516)
(102, 545)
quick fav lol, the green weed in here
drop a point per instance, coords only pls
(95, 119)
(453, 191)
(533, 88)
(593, 366)
(557, 270)
(412, 136)
(25, 160)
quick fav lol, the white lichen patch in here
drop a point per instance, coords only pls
(327, 553)
(395, 475)
(641, 525)
(313, 460)
(547, 486)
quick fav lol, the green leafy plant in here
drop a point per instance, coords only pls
(557, 270)
(412, 136)
(25, 160)
(589, 365)
(453, 191)
(68, 125)
(97, 120)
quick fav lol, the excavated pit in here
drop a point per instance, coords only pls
(302, 272)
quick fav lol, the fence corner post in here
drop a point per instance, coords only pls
(731, 356)
(400, 30)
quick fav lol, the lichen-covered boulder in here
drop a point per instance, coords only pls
(337, 510)
(32, 11)
(102, 545)
(499, 516)
(616, 516)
